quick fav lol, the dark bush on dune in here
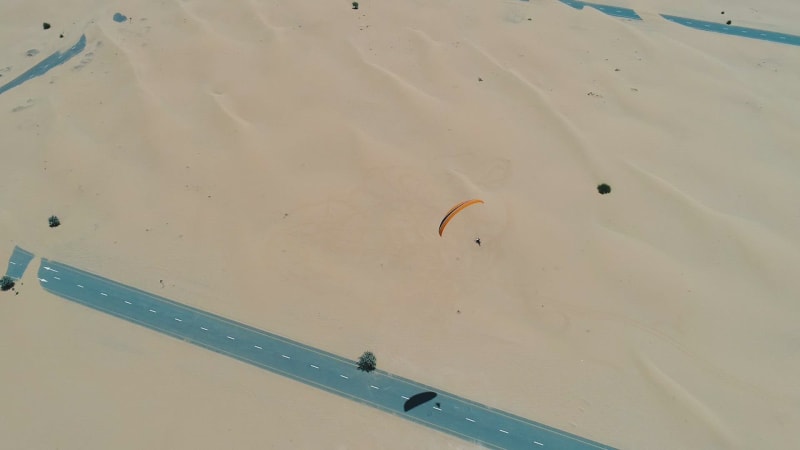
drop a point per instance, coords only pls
(6, 283)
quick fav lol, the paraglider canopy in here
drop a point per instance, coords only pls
(455, 210)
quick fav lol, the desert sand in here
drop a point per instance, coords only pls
(286, 164)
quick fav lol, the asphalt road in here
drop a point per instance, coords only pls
(445, 412)
(46, 64)
(733, 30)
(18, 263)
(614, 11)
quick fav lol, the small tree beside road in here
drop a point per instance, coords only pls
(6, 283)
(367, 362)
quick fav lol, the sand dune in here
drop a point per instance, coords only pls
(286, 164)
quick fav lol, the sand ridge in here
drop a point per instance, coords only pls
(287, 165)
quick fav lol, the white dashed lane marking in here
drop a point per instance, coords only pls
(177, 319)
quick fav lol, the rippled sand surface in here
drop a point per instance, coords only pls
(286, 164)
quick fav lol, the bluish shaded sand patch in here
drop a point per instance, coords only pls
(119, 18)
(615, 11)
(751, 33)
(18, 263)
(48, 63)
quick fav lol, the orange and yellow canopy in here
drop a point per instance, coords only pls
(455, 210)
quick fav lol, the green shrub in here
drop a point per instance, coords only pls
(367, 362)
(6, 283)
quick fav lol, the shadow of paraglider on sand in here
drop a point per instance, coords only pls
(418, 399)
